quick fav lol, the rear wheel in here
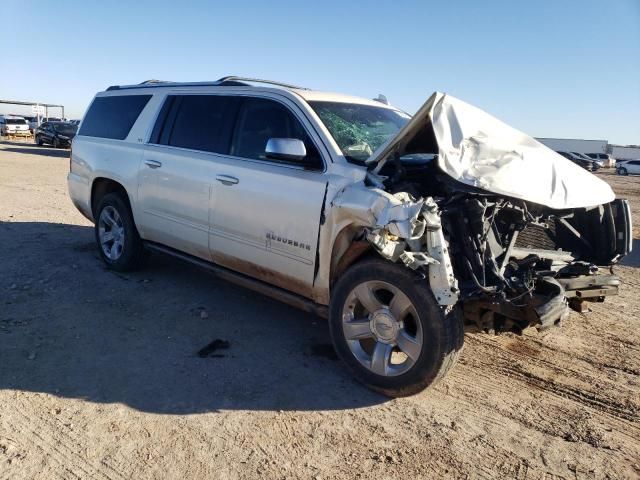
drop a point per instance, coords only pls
(116, 234)
(388, 328)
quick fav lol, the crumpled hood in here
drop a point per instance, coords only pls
(481, 151)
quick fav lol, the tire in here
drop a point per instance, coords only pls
(433, 337)
(39, 141)
(125, 250)
(622, 171)
(56, 143)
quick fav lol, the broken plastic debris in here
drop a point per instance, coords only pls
(415, 260)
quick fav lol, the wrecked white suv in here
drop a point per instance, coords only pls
(402, 230)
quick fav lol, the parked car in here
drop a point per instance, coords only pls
(75, 122)
(607, 160)
(596, 164)
(33, 123)
(57, 134)
(587, 164)
(351, 209)
(13, 125)
(628, 167)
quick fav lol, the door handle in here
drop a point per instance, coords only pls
(227, 180)
(153, 163)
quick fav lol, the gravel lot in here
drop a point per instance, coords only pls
(100, 377)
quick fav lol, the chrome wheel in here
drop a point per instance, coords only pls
(111, 233)
(382, 328)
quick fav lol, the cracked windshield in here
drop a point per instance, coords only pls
(359, 129)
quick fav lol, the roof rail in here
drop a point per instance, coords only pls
(153, 82)
(233, 78)
(229, 81)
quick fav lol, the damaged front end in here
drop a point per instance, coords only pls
(520, 264)
(399, 227)
(411, 232)
(507, 263)
(498, 224)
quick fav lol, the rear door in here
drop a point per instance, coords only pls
(45, 132)
(265, 214)
(633, 166)
(179, 168)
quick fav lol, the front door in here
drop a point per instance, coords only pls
(265, 215)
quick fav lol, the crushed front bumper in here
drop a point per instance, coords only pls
(546, 307)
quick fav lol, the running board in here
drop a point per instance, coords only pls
(245, 281)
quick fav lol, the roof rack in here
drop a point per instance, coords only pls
(257, 80)
(229, 81)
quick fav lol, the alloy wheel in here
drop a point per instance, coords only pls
(381, 327)
(111, 233)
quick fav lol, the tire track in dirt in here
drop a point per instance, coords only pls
(603, 361)
(524, 371)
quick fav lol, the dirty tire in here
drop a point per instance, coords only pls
(134, 255)
(443, 332)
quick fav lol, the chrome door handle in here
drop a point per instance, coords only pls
(153, 163)
(227, 180)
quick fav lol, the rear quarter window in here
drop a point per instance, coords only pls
(113, 117)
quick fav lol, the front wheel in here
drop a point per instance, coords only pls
(39, 141)
(622, 171)
(388, 328)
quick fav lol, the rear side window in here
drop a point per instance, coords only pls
(113, 117)
(198, 122)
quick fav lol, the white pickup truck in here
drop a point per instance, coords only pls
(13, 125)
(402, 230)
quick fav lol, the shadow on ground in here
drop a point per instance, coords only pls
(633, 259)
(32, 149)
(69, 327)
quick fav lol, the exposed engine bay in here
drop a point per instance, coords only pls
(515, 263)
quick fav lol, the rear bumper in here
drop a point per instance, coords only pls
(17, 133)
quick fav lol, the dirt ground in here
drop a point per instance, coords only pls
(100, 377)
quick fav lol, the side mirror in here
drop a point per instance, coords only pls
(290, 149)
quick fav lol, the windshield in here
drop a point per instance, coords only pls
(16, 121)
(359, 129)
(65, 128)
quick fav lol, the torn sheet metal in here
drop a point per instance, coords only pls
(401, 229)
(481, 151)
(373, 207)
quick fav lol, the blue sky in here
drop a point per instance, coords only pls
(563, 68)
